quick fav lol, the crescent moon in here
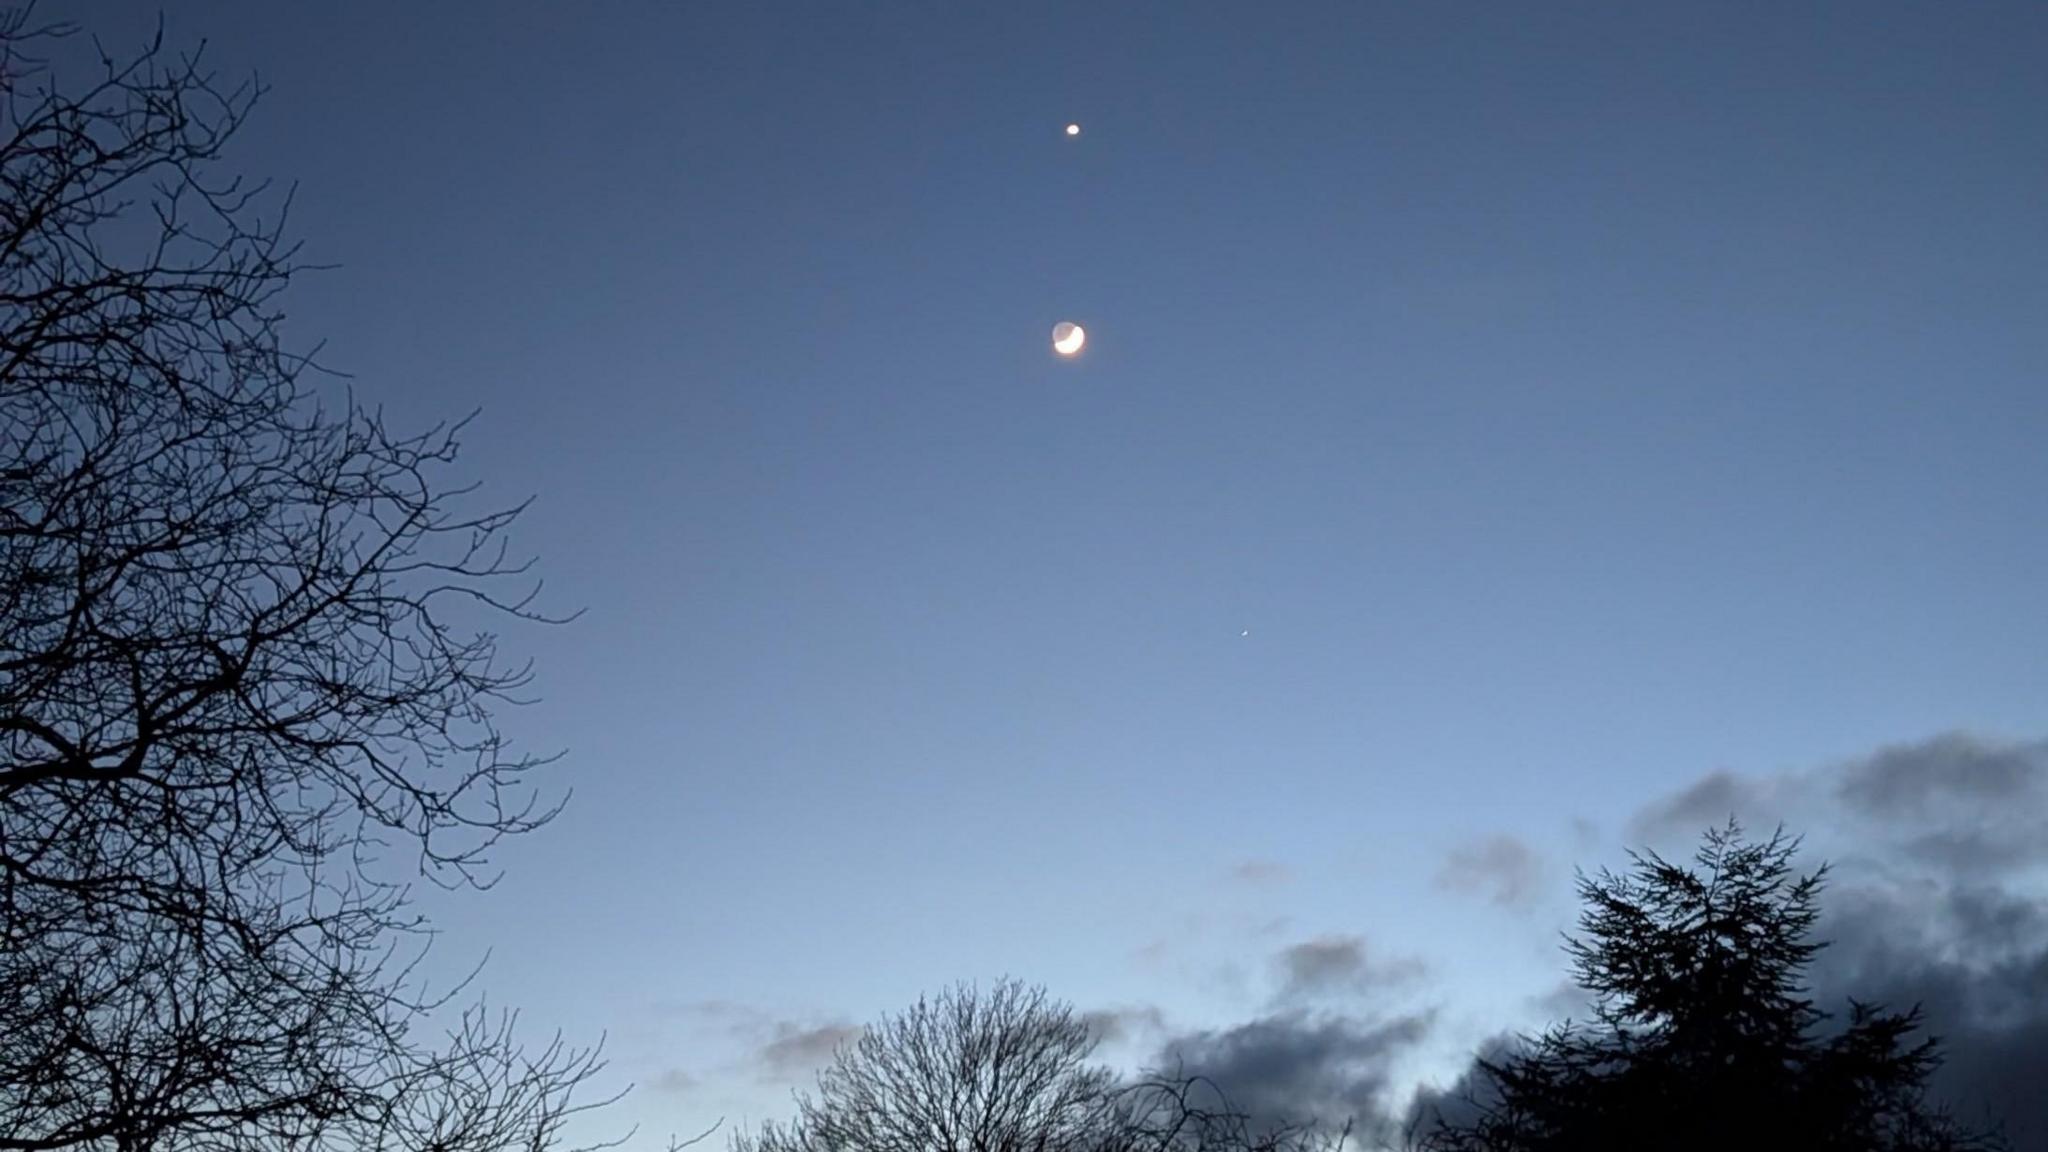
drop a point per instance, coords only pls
(1067, 337)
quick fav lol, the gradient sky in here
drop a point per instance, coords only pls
(1569, 402)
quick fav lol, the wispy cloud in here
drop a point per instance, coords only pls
(1261, 873)
(1126, 1024)
(1506, 869)
(796, 1050)
(675, 1081)
(1331, 965)
(1710, 802)
(745, 1043)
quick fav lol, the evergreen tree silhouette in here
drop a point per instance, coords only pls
(1703, 1036)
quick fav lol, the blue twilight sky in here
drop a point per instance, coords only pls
(1569, 399)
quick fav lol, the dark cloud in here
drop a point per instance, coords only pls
(1976, 962)
(1969, 850)
(1335, 965)
(1127, 1024)
(1956, 801)
(1299, 1066)
(1317, 964)
(1263, 873)
(1967, 808)
(1506, 869)
(1464, 1099)
(794, 1051)
(1706, 804)
(1904, 781)
(1938, 898)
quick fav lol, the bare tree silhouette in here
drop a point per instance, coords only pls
(1703, 1036)
(966, 1071)
(1007, 1070)
(1174, 1112)
(246, 688)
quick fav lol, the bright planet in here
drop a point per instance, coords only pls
(1067, 337)
(1073, 129)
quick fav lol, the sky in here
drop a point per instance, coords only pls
(1498, 425)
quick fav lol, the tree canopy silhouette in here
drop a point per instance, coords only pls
(245, 690)
(1004, 1070)
(1703, 1034)
(1007, 1070)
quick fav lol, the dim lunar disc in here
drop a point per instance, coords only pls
(1067, 338)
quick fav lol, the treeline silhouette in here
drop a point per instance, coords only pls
(236, 717)
(1703, 1039)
